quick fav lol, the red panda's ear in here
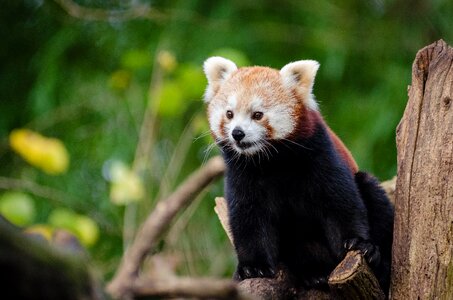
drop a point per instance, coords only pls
(217, 70)
(300, 75)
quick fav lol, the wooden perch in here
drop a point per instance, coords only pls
(353, 279)
(269, 288)
(422, 266)
(201, 288)
(157, 222)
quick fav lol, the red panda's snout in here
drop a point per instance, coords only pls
(242, 131)
(238, 134)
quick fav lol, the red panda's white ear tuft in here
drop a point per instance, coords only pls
(217, 70)
(300, 75)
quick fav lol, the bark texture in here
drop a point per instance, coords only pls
(198, 288)
(422, 266)
(352, 279)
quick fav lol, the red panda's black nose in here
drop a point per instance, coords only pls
(238, 134)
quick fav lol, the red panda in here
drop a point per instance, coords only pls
(295, 195)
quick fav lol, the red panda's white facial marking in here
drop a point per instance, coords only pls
(250, 107)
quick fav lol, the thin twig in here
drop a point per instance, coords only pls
(51, 194)
(176, 160)
(137, 12)
(99, 14)
(157, 222)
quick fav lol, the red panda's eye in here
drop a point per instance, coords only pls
(229, 114)
(257, 115)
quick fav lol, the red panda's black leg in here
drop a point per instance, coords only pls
(254, 258)
(255, 242)
(352, 233)
(254, 264)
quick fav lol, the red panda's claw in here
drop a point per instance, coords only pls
(247, 271)
(367, 248)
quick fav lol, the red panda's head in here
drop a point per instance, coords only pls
(249, 107)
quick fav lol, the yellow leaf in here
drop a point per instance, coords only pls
(87, 230)
(167, 61)
(83, 227)
(47, 154)
(126, 186)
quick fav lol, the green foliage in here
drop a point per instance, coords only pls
(136, 59)
(85, 229)
(170, 100)
(92, 84)
(18, 208)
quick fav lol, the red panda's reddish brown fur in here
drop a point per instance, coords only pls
(344, 152)
(308, 120)
(295, 195)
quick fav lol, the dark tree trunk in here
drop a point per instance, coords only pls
(422, 266)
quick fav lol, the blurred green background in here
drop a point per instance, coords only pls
(114, 88)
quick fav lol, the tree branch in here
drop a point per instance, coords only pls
(201, 288)
(157, 222)
(99, 14)
(422, 265)
(353, 279)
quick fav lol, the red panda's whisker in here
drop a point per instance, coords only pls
(297, 144)
(208, 151)
(270, 144)
(202, 135)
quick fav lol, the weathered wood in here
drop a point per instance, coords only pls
(352, 279)
(422, 266)
(199, 288)
(221, 210)
(269, 288)
(389, 188)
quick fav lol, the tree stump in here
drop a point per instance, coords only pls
(422, 266)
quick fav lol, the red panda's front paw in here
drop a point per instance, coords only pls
(369, 250)
(245, 271)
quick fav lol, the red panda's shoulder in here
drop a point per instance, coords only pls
(340, 147)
